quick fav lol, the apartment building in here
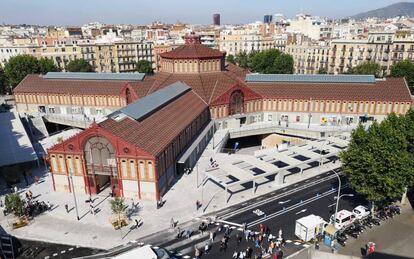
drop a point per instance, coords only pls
(309, 57)
(233, 44)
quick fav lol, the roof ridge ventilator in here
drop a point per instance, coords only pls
(287, 78)
(94, 76)
(151, 103)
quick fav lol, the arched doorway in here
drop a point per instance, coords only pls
(236, 102)
(128, 96)
(100, 165)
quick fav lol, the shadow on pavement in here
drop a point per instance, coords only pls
(386, 256)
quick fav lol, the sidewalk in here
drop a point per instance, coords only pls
(393, 238)
(97, 232)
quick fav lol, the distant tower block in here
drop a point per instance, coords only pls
(267, 18)
(216, 19)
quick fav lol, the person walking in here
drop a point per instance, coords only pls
(67, 208)
(239, 239)
(172, 223)
(211, 236)
(91, 209)
(197, 253)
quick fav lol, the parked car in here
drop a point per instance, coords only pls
(361, 212)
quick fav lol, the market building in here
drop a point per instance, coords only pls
(148, 125)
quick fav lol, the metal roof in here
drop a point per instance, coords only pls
(94, 76)
(310, 78)
(149, 104)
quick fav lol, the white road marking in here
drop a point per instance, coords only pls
(318, 176)
(307, 181)
(283, 202)
(333, 204)
(47, 257)
(217, 223)
(232, 227)
(62, 252)
(295, 185)
(186, 256)
(296, 243)
(301, 211)
(133, 241)
(306, 245)
(156, 247)
(288, 241)
(55, 254)
(70, 249)
(240, 229)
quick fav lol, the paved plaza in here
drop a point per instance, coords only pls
(96, 231)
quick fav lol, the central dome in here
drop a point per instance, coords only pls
(192, 57)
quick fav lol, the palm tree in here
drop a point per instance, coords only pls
(118, 208)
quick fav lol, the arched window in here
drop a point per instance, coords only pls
(236, 102)
(99, 152)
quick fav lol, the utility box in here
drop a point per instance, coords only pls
(309, 227)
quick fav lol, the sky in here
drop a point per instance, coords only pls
(78, 12)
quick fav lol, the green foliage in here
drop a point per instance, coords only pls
(242, 60)
(366, 68)
(79, 65)
(405, 69)
(19, 67)
(145, 66)
(231, 59)
(15, 204)
(322, 71)
(270, 61)
(2, 81)
(47, 65)
(379, 162)
(117, 206)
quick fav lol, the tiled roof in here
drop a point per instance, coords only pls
(391, 89)
(192, 51)
(156, 132)
(37, 84)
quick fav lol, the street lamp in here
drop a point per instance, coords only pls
(74, 195)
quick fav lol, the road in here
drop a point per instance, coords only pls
(277, 210)
(33, 249)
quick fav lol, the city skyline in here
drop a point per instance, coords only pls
(138, 12)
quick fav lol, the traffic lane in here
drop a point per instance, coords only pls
(286, 201)
(323, 207)
(274, 193)
(34, 249)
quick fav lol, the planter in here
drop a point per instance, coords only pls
(117, 224)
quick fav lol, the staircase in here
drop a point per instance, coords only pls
(37, 127)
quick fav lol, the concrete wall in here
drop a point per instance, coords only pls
(130, 188)
(61, 183)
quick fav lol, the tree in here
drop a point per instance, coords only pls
(79, 65)
(271, 61)
(283, 64)
(366, 68)
(15, 204)
(405, 69)
(322, 71)
(145, 66)
(47, 65)
(379, 161)
(2, 81)
(242, 60)
(118, 207)
(231, 59)
(19, 67)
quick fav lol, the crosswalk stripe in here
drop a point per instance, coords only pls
(296, 243)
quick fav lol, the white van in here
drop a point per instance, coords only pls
(344, 218)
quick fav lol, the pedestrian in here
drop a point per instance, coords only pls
(27, 196)
(317, 245)
(270, 237)
(197, 253)
(207, 248)
(198, 204)
(136, 223)
(239, 239)
(249, 252)
(246, 234)
(92, 209)
(211, 237)
(30, 195)
(36, 179)
(48, 205)
(235, 254)
(15, 189)
(172, 223)
(242, 255)
(67, 208)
